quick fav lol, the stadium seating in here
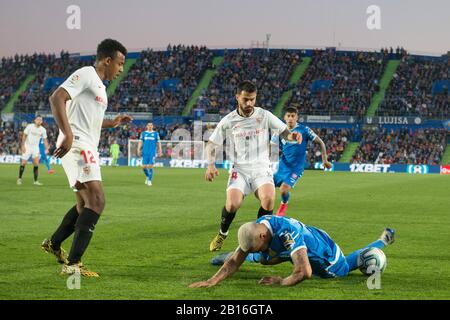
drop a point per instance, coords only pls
(13, 71)
(270, 70)
(339, 83)
(405, 146)
(161, 82)
(411, 90)
(335, 141)
(50, 71)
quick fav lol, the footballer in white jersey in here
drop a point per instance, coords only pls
(32, 134)
(247, 131)
(78, 106)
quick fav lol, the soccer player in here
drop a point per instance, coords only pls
(30, 148)
(114, 150)
(247, 128)
(44, 156)
(273, 239)
(147, 149)
(78, 106)
(292, 161)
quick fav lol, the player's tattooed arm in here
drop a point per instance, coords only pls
(58, 105)
(230, 266)
(291, 135)
(302, 271)
(323, 148)
(211, 171)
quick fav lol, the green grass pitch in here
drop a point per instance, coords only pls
(152, 242)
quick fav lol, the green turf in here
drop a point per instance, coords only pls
(153, 241)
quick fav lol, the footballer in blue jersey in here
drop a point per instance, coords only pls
(44, 157)
(293, 157)
(148, 144)
(273, 239)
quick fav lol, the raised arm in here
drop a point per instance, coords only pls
(230, 266)
(301, 271)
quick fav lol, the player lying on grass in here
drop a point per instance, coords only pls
(274, 239)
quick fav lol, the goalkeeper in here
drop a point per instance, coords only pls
(114, 151)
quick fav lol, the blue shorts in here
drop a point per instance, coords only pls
(148, 160)
(287, 175)
(330, 269)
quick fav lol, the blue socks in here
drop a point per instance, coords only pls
(148, 173)
(285, 197)
(352, 258)
(47, 163)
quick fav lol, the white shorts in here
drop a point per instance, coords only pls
(31, 152)
(249, 180)
(81, 164)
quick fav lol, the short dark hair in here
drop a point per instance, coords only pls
(246, 86)
(108, 48)
(291, 110)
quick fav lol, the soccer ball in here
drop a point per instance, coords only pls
(370, 260)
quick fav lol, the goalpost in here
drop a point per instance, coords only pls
(172, 150)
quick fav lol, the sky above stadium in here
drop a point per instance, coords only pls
(28, 26)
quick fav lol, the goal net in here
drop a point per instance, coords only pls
(171, 150)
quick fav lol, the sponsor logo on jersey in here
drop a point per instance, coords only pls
(87, 170)
(75, 78)
(100, 100)
(250, 133)
(287, 240)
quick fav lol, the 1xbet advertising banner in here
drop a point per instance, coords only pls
(383, 168)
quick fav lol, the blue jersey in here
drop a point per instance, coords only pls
(290, 235)
(294, 154)
(149, 141)
(42, 147)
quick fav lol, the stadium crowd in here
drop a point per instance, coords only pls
(335, 140)
(145, 90)
(410, 91)
(45, 66)
(269, 70)
(403, 146)
(354, 80)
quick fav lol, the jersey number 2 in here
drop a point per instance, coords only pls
(85, 156)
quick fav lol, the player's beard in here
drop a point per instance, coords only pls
(246, 111)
